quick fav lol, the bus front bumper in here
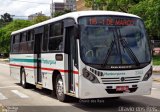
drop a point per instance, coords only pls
(91, 90)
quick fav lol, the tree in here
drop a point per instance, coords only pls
(96, 4)
(115, 5)
(149, 11)
(6, 31)
(1, 23)
(39, 19)
(121, 5)
(6, 17)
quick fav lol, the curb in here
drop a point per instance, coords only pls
(5, 61)
(156, 68)
(157, 80)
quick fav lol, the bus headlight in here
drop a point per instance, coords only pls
(147, 75)
(90, 76)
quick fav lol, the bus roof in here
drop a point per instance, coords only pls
(75, 15)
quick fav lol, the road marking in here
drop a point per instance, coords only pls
(8, 87)
(2, 97)
(20, 94)
(154, 88)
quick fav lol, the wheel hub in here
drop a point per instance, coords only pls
(23, 78)
(60, 87)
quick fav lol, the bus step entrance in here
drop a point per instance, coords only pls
(71, 94)
(39, 86)
(71, 91)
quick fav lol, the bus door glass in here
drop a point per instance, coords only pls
(37, 54)
(70, 46)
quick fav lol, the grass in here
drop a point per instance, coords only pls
(156, 60)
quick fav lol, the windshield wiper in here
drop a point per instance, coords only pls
(128, 49)
(108, 53)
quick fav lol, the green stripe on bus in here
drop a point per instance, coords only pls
(23, 60)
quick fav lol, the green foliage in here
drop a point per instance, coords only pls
(5, 19)
(96, 4)
(156, 60)
(115, 5)
(39, 19)
(1, 23)
(121, 5)
(149, 10)
(6, 31)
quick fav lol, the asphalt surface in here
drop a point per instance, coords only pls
(14, 97)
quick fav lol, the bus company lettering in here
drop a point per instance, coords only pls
(114, 73)
(45, 61)
(123, 67)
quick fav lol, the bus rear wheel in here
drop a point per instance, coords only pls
(60, 90)
(23, 79)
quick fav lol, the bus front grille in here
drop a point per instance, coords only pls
(121, 80)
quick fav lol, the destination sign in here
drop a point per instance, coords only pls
(111, 21)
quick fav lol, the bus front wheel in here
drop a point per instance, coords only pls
(60, 89)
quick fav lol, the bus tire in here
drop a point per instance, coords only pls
(23, 79)
(60, 90)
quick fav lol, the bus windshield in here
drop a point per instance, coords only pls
(112, 40)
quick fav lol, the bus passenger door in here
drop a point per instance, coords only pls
(70, 49)
(37, 57)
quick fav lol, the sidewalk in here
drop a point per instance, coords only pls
(156, 77)
(156, 68)
(5, 60)
(156, 72)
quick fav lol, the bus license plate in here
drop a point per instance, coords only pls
(122, 88)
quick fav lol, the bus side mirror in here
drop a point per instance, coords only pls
(76, 31)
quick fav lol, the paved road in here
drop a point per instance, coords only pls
(14, 97)
(156, 76)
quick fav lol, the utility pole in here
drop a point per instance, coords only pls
(52, 9)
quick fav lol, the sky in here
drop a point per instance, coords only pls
(21, 9)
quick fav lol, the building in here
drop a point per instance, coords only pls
(33, 16)
(70, 5)
(81, 5)
(56, 7)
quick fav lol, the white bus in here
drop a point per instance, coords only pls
(87, 54)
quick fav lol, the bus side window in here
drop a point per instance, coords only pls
(45, 38)
(56, 37)
(23, 37)
(23, 43)
(12, 43)
(30, 39)
(15, 45)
